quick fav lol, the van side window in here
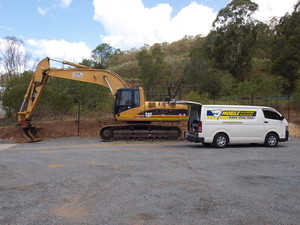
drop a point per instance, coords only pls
(271, 115)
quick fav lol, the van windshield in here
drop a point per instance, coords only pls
(269, 114)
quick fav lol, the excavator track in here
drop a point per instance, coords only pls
(140, 132)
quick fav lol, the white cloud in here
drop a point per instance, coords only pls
(63, 4)
(5, 28)
(42, 11)
(271, 8)
(59, 49)
(4, 43)
(132, 24)
(194, 19)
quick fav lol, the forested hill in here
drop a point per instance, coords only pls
(240, 58)
(241, 61)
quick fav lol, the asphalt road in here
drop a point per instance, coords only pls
(85, 181)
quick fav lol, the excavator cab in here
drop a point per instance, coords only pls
(126, 98)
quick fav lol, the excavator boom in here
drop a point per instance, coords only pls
(80, 73)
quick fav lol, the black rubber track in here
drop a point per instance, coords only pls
(140, 132)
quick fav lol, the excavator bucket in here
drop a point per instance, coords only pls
(26, 134)
(31, 133)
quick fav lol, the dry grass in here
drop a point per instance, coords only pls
(294, 130)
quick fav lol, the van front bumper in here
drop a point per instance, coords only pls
(287, 137)
(194, 138)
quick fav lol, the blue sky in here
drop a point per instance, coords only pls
(71, 29)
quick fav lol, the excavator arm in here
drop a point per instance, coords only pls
(78, 72)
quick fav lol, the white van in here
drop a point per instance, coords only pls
(221, 125)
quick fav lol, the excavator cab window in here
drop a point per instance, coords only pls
(126, 98)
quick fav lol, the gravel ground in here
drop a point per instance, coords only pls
(85, 181)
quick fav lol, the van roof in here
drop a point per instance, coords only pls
(190, 103)
(237, 106)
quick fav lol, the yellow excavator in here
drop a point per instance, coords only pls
(129, 104)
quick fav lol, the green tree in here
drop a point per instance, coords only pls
(198, 65)
(56, 103)
(227, 84)
(211, 83)
(155, 71)
(14, 93)
(147, 64)
(196, 97)
(296, 99)
(231, 43)
(260, 85)
(265, 38)
(203, 77)
(102, 55)
(286, 49)
(63, 96)
(91, 63)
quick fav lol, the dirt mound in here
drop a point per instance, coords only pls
(56, 130)
(8, 134)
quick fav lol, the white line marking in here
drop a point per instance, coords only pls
(6, 146)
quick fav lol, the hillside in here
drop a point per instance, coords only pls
(241, 61)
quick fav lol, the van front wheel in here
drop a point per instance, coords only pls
(220, 140)
(271, 140)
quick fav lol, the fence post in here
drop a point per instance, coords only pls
(78, 121)
(289, 106)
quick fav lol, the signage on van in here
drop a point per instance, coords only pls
(230, 114)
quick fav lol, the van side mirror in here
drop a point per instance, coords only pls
(281, 118)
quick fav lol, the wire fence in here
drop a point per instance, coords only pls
(283, 104)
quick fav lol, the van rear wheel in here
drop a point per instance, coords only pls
(220, 140)
(271, 140)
